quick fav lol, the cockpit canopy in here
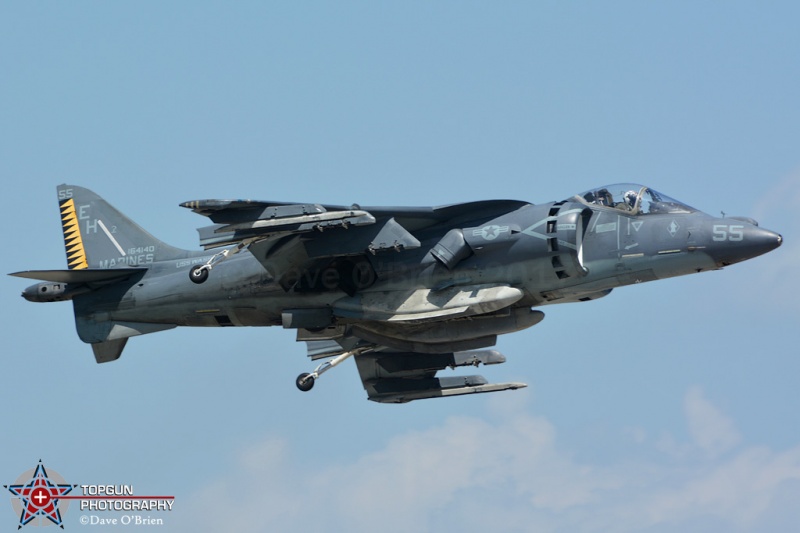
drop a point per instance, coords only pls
(633, 199)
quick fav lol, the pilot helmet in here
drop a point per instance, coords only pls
(630, 198)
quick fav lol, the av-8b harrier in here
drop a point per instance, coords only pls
(406, 292)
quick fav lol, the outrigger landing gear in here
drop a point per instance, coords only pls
(199, 273)
(305, 381)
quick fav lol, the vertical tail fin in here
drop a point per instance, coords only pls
(73, 242)
(96, 235)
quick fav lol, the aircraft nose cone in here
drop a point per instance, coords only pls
(745, 243)
(766, 240)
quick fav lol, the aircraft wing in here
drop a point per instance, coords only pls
(400, 377)
(230, 213)
(396, 376)
(242, 220)
(290, 238)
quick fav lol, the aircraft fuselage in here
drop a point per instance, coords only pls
(532, 249)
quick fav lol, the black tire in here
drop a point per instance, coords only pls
(198, 274)
(306, 385)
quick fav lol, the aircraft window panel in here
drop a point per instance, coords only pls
(633, 199)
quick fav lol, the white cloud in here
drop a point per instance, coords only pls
(710, 429)
(738, 491)
(504, 474)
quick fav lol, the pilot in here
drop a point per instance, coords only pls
(603, 197)
(630, 200)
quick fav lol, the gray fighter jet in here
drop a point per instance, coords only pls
(405, 291)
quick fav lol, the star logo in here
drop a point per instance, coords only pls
(491, 232)
(36, 495)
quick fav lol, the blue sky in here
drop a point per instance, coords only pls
(666, 406)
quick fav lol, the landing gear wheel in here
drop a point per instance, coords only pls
(198, 274)
(305, 382)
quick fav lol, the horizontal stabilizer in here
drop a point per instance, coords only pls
(86, 275)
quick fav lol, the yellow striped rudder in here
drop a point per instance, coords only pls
(76, 255)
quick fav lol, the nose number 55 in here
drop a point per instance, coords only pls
(724, 232)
